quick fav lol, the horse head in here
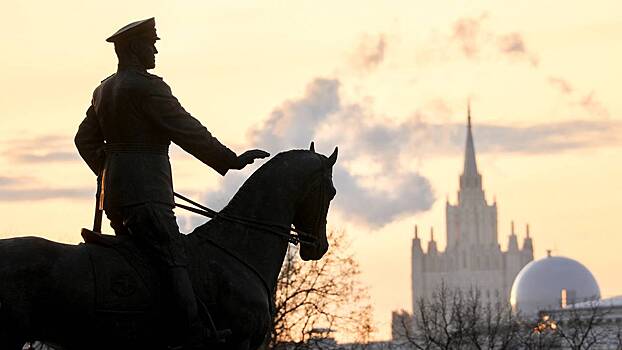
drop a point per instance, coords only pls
(293, 188)
(313, 207)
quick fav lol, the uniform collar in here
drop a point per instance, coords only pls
(135, 67)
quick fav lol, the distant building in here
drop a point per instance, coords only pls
(598, 322)
(473, 257)
(553, 282)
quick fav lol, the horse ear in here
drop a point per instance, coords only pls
(333, 157)
(312, 147)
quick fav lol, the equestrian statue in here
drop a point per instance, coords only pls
(150, 287)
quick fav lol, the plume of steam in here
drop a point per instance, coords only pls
(296, 122)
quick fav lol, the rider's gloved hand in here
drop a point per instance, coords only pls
(249, 157)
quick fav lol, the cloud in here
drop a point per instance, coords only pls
(14, 189)
(370, 52)
(476, 41)
(46, 157)
(547, 138)
(512, 44)
(293, 123)
(321, 115)
(372, 176)
(467, 33)
(588, 102)
(32, 194)
(8, 181)
(411, 194)
(561, 85)
(591, 104)
(41, 149)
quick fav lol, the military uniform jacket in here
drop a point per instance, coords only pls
(124, 138)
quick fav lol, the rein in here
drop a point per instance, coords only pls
(264, 227)
(289, 233)
(300, 237)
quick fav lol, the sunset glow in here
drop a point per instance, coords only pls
(388, 82)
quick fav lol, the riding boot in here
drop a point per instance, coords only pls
(185, 309)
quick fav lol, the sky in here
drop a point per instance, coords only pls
(386, 81)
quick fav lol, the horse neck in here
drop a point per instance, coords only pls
(263, 250)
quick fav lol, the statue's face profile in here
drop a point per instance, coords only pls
(145, 51)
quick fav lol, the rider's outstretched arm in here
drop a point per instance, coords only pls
(184, 130)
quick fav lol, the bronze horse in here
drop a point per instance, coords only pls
(105, 295)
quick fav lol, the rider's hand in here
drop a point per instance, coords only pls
(249, 157)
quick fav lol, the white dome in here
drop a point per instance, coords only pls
(540, 284)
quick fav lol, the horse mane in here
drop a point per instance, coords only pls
(297, 165)
(293, 168)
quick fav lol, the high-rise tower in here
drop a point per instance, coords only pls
(473, 257)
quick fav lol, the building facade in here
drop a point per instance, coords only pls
(473, 257)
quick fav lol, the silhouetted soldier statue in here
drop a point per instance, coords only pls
(124, 139)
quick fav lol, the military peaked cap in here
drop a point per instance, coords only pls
(144, 28)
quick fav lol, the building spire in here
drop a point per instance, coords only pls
(469, 114)
(416, 247)
(470, 178)
(470, 165)
(528, 243)
(432, 249)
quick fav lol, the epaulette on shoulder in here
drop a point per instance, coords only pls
(149, 75)
(110, 76)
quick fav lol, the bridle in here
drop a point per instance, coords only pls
(263, 226)
(291, 234)
(323, 208)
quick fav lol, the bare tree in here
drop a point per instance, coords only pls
(438, 323)
(490, 325)
(618, 336)
(581, 326)
(326, 293)
(457, 319)
(536, 335)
